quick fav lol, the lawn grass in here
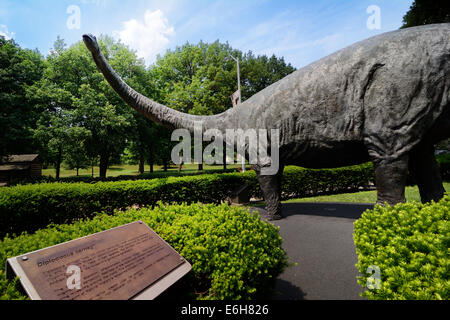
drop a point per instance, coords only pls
(128, 170)
(412, 194)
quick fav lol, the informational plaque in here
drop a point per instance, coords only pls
(127, 262)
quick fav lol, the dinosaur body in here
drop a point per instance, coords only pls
(384, 99)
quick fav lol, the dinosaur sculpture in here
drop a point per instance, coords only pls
(384, 99)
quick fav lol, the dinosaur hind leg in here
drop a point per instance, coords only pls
(426, 170)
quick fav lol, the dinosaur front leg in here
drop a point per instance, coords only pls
(271, 189)
(390, 178)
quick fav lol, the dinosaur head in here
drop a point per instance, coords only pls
(91, 43)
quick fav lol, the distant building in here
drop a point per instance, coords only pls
(20, 167)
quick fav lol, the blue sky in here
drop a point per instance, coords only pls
(301, 31)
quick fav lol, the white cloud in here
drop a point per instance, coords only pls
(150, 37)
(5, 32)
(100, 3)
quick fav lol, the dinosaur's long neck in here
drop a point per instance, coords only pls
(154, 111)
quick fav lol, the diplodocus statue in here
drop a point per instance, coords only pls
(385, 99)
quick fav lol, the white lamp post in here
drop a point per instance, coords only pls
(240, 97)
(238, 76)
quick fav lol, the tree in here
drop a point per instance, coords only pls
(142, 141)
(142, 137)
(19, 69)
(53, 103)
(94, 106)
(105, 123)
(50, 133)
(260, 72)
(198, 79)
(164, 146)
(427, 12)
(76, 154)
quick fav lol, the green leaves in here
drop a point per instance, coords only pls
(19, 69)
(427, 12)
(300, 182)
(233, 253)
(73, 94)
(29, 207)
(410, 244)
(197, 79)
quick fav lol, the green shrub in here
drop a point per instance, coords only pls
(409, 243)
(444, 164)
(143, 176)
(234, 255)
(31, 207)
(300, 182)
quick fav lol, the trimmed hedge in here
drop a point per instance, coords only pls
(234, 255)
(409, 243)
(444, 164)
(31, 207)
(300, 182)
(143, 176)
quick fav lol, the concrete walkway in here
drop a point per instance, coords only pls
(319, 237)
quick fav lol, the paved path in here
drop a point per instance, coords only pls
(319, 237)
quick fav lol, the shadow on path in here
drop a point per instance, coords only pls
(285, 290)
(327, 209)
(319, 238)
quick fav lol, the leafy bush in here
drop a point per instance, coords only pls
(234, 255)
(300, 182)
(143, 176)
(444, 164)
(31, 207)
(409, 243)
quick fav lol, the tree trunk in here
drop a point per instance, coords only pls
(104, 159)
(141, 163)
(58, 163)
(200, 166)
(166, 165)
(78, 172)
(92, 166)
(225, 158)
(150, 159)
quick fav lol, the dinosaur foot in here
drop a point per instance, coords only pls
(268, 216)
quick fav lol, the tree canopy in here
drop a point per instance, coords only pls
(427, 12)
(61, 107)
(19, 69)
(198, 79)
